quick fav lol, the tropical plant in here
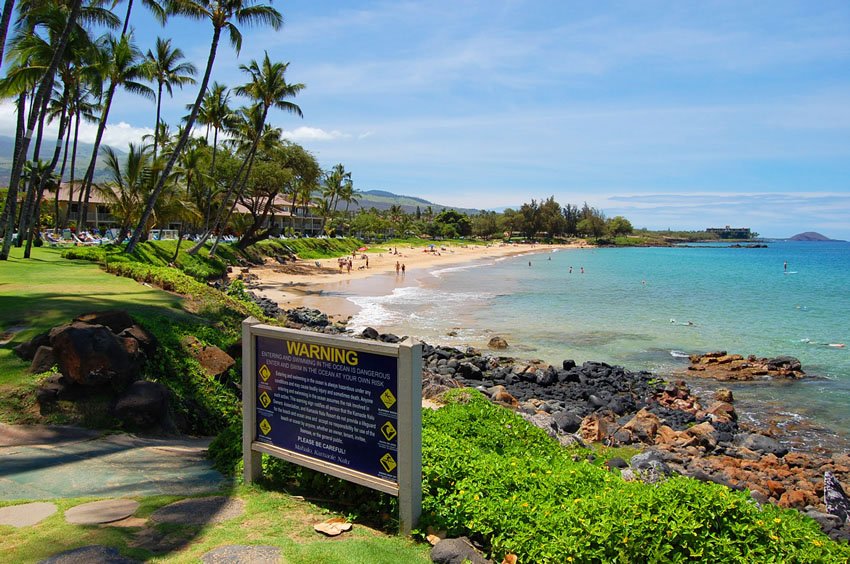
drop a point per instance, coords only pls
(163, 65)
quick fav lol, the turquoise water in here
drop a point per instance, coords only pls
(632, 307)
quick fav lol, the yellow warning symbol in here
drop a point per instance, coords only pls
(265, 427)
(388, 431)
(265, 373)
(388, 462)
(388, 398)
(265, 400)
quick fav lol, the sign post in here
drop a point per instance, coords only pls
(345, 407)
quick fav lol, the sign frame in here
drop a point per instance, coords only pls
(408, 355)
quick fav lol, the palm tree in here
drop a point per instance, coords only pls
(122, 66)
(158, 12)
(224, 15)
(216, 113)
(126, 186)
(164, 67)
(268, 87)
(44, 89)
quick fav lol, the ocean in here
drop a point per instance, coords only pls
(647, 309)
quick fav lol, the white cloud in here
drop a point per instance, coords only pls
(301, 134)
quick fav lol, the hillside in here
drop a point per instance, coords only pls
(84, 150)
(810, 236)
(383, 200)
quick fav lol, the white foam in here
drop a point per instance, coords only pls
(439, 272)
(679, 354)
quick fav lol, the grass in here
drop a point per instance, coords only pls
(271, 518)
(385, 246)
(48, 290)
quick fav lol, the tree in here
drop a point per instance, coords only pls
(121, 65)
(268, 87)
(163, 65)
(619, 225)
(223, 14)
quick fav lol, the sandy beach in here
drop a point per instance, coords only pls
(317, 283)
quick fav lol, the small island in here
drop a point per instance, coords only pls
(813, 236)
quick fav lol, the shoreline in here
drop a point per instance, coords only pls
(321, 283)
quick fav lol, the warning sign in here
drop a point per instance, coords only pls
(388, 462)
(265, 400)
(265, 426)
(388, 398)
(388, 431)
(265, 373)
(329, 402)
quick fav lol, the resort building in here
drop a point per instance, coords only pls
(280, 219)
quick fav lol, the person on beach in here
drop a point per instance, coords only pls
(785, 266)
(571, 270)
(582, 270)
(349, 267)
(402, 269)
(367, 261)
(397, 267)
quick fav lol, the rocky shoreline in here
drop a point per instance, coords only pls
(677, 432)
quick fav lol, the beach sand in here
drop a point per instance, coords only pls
(319, 283)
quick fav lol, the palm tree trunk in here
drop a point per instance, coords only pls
(89, 177)
(127, 17)
(134, 240)
(156, 127)
(10, 209)
(8, 8)
(56, 222)
(43, 91)
(32, 200)
(73, 167)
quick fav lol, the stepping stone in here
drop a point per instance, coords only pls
(26, 514)
(98, 512)
(241, 554)
(199, 511)
(88, 555)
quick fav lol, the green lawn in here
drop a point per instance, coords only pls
(47, 290)
(271, 518)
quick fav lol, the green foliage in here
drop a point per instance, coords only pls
(306, 248)
(490, 475)
(160, 253)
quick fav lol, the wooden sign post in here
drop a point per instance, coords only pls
(346, 407)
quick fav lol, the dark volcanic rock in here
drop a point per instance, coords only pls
(91, 355)
(43, 360)
(145, 404)
(835, 499)
(117, 320)
(369, 333)
(761, 443)
(456, 551)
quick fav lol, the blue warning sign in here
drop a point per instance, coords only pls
(331, 403)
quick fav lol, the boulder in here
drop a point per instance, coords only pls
(456, 551)
(144, 405)
(91, 355)
(724, 395)
(643, 426)
(722, 412)
(834, 498)
(704, 433)
(369, 333)
(27, 349)
(147, 342)
(650, 466)
(307, 316)
(567, 421)
(761, 444)
(497, 343)
(212, 359)
(43, 360)
(53, 388)
(117, 320)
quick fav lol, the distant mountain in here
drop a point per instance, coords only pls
(383, 200)
(84, 150)
(810, 236)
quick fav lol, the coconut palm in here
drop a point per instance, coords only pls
(164, 67)
(121, 65)
(268, 87)
(125, 188)
(224, 15)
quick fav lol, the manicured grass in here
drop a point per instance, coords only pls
(271, 518)
(48, 290)
(419, 242)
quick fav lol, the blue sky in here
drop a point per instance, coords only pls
(677, 115)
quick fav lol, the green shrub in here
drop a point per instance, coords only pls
(490, 475)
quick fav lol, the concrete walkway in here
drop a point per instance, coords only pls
(39, 462)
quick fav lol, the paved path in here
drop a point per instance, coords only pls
(38, 462)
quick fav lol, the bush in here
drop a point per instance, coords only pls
(490, 475)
